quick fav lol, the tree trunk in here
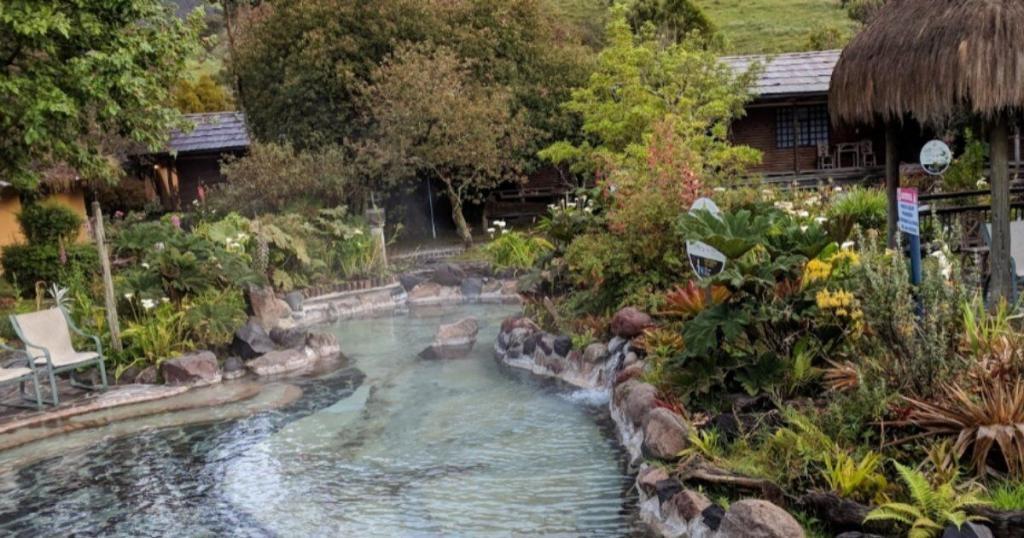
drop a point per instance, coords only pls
(1003, 284)
(460, 220)
(892, 181)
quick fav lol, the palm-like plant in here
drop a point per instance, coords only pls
(932, 508)
(995, 417)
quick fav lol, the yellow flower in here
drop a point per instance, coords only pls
(846, 258)
(816, 270)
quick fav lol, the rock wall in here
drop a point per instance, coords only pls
(652, 435)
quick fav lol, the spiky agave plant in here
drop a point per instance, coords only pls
(994, 417)
(931, 509)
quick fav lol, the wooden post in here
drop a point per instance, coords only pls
(1002, 283)
(892, 180)
(108, 280)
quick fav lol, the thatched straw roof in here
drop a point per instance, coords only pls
(931, 59)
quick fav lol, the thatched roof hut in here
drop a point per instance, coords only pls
(930, 59)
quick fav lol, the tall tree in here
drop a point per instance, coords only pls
(78, 73)
(638, 83)
(433, 118)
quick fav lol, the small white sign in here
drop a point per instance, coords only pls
(936, 157)
(705, 260)
(908, 211)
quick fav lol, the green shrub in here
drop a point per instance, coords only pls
(516, 250)
(867, 208)
(49, 223)
(212, 317)
(25, 265)
(967, 169)
(1007, 496)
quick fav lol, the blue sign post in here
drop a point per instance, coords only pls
(909, 223)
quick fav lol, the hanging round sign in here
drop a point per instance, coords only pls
(705, 260)
(936, 157)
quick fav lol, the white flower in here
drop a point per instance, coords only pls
(803, 213)
(944, 266)
(164, 300)
(719, 189)
(145, 265)
(847, 245)
(148, 303)
(785, 205)
(159, 246)
(588, 209)
(358, 232)
(500, 223)
(803, 228)
(129, 296)
(821, 220)
(491, 230)
(982, 184)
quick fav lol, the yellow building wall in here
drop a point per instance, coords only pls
(10, 206)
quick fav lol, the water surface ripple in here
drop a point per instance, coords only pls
(390, 446)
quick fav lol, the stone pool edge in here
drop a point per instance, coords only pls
(650, 433)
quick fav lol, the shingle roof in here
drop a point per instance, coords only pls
(789, 74)
(215, 131)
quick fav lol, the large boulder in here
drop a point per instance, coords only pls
(199, 368)
(147, 376)
(630, 323)
(453, 341)
(448, 275)
(294, 300)
(323, 344)
(639, 402)
(283, 361)
(665, 434)
(233, 368)
(595, 353)
(648, 478)
(471, 287)
(251, 341)
(753, 518)
(290, 337)
(268, 310)
(411, 280)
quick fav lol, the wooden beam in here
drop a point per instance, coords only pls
(892, 179)
(1002, 283)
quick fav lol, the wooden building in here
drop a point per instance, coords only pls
(192, 158)
(788, 121)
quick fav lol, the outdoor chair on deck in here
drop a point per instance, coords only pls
(20, 370)
(867, 154)
(47, 338)
(1016, 252)
(825, 159)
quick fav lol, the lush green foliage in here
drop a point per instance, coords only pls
(867, 208)
(672, 20)
(1007, 496)
(26, 266)
(203, 94)
(49, 223)
(968, 170)
(278, 178)
(639, 83)
(933, 507)
(431, 117)
(71, 89)
(516, 250)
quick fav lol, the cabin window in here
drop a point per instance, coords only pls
(804, 126)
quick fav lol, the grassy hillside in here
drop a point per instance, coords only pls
(775, 25)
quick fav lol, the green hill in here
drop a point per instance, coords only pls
(777, 25)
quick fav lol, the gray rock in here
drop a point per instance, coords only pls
(629, 360)
(640, 402)
(148, 376)
(283, 361)
(233, 368)
(294, 300)
(595, 353)
(453, 341)
(292, 337)
(323, 344)
(752, 518)
(128, 375)
(969, 530)
(630, 323)
(471, 286)
(648, 478)
(665, 434)
(712, 516)
(449, 275)
(668, 488)
(687, 505)
(198, 368)
(251, 341)
(411, 280)
(562, 346)
(268, 310)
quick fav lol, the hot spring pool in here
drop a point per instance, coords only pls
(389, 446)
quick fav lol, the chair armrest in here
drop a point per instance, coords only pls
(74, 328)
(25, 358)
